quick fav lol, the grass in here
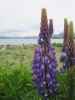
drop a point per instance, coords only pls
(16, 74)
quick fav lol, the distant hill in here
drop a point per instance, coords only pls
(55, 36)
(60, 35)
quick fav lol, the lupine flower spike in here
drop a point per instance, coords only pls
(64, 54)
(71, 61)
(65, 42)
(44, 62)
(50, 28)
(71, 45)
(65, 34)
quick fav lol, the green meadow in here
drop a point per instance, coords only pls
(16, 74)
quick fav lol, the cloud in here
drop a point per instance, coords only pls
(24, 15)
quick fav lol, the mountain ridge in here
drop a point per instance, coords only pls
(57, 36)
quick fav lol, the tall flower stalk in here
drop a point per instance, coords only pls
(71, 61)
(71, 46)
(65, 34)
(50, 28)
(64, 54)
(44, 62)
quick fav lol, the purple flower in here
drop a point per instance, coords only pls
(45, 78)
(44, 62)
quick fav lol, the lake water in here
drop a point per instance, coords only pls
(14, 41)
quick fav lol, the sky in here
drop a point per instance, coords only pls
(22, 17)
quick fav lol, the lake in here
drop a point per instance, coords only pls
(17, 41)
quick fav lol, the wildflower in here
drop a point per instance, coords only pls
(44, 62)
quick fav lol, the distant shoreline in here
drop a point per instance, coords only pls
(27, 38)
(25, 41)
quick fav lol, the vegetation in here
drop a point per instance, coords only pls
(16, 74)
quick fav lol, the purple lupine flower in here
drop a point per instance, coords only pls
(65, 42)
(69, 50)
(44, 62)
(45, 82)
(71, 45)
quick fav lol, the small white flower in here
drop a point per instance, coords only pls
(42, 40)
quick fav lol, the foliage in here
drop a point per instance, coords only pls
(16, 76)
